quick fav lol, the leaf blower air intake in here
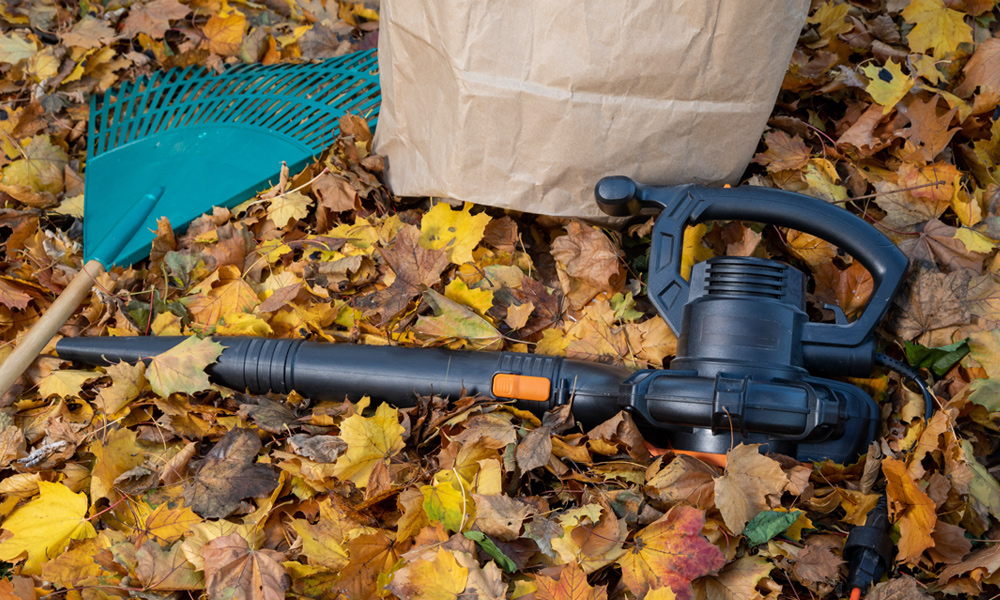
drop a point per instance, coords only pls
(749, 365)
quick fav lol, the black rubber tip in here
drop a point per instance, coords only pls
(617, 196)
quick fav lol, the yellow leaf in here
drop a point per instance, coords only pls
(289, 206)
(441, 578)
(369, 440)
(887, 85)
(44, 526)
(225, 33)
(449, 501)
(975, 241)
(694, 252)
(821, 177)
(167, 525)
(984, 346)
(452, 321)
(66, 383)
(456, 231)
(14, 48)
(935, 26)
(44, 65)
(913, 509)
(832, 21)
(478, 300)
(182, 368)
(70, 206)
(234, 296)
(553, 343)
(243, 324)
(113, 455)
(127, 382)
(20, 485)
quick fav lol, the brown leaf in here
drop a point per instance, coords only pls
(416, 268)
(983, 69)
(622, 432)
(684, 479)
(861, 134)
(336, 193)
(783, 152)
(738, 580)
(931, 301)
(950, 544)
(153, 18)
(587, 262)
(535, 449)
(166, 570)
(271, 416)
(928, 131)
(229, 474)
(741, 493)
(816, 563)
(899, 587)
(985, 562)
(937, 244)
(320, 448)
(500, 516)
(234, 570)
(89, 32)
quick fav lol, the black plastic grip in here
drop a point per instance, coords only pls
(691, 204)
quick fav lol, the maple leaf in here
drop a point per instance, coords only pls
(113, 455)
(65, 383)
(742, 491)
(182, 368)
(738, 581)
(887, 85)
(166, 525)
(38, 177)
(12, 296)
(928, 131)
(440, 578)
(127, 382)
(166, 570)
(90, 32)
(912, 507)
(457, 232)
(784, 152)
(44, 526)
(935, 26)
(369, 441)
(670, 552)
(234, 570)
(229, 474)
(570, 585)
(153, 18)
(288, 206)
(449, 501)
(14, 48)
(587, 261)
(983, 70)
(452, 321)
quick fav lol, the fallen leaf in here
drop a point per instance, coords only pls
(983, 69)
(935, 26)
(670, 552)
(911, 507)
(65, 383)
(784, 152)
(457, 232)
(229, 474)
(742, 491)
(738, 581)
(571, 584)
(166, 570)
(587, 262)
(887, 85)
(153, 18)
(44, 526)
(440, 578)
(290, 205)
(454, 322)
(369, 441)
(182, 368)
(233, 570)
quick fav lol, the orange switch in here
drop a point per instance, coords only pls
(521, 387)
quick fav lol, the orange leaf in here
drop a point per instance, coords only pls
(671, 552)
(913, 508)
(571, 585)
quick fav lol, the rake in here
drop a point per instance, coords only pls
(187, 140)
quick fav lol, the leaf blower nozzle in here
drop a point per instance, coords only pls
(869, 549)
(747, 358)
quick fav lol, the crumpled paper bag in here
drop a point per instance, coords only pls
(526, 104)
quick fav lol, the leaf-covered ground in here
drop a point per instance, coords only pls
(147, 482)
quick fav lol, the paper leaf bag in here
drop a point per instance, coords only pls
(525, 104)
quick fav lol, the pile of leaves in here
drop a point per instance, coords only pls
(150, 481)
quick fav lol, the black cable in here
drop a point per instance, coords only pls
(910, 373)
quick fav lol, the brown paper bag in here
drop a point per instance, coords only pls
(525, 104)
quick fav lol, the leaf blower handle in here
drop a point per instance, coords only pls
(691, 204)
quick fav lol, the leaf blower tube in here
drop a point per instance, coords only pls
(809, 418)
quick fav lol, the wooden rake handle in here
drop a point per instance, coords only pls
(48, 325)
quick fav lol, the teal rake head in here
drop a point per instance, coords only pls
(213, 139)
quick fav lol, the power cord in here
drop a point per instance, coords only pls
(910, 373)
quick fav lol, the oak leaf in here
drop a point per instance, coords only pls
(44, 526)
(749, 479)
(182, 368)
(670, 552)
(369, 440)
(235, 571)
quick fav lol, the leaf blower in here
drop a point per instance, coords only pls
(749, 365)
